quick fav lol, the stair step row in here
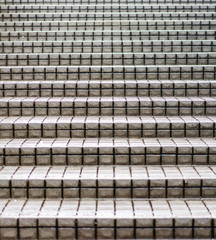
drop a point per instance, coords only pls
(115, 88)
(107, 151)
(110, 106)
(107, 119)
(126, 127)
(104, 2)
(115, 58)
(162, 46)
(96, 27)
(107, 219)
(109, 35)
(106, 15)
(109, 72)
(108, 182)
(108, 8)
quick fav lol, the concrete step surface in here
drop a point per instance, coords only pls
(147, 46)
(107, 59)
(105, 15)
(98, 25)
(108, 25)
(111, 35)
(114, 88)
(107, 119)
(107, 151)
(109, 72)
(108, 8)
(108, 182)
(111, 127)
(108, 106)
(107, 219)
(89, 2)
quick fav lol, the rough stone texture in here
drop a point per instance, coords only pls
(107, 119)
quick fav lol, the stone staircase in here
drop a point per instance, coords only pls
(107, 119)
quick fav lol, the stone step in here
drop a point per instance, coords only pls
(107, 151)
(107, 59)
(107, 127)
(107, 219)
(115, 88)
(105, 2)
(108, 182)
(113, 27)
(108, 8)
(109, 72)
(108, 106)
(107, 119)
(109, 35)
(88, 16)
(108, 46)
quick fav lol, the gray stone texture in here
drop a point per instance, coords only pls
(107, 119)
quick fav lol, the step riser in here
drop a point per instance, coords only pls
(123, 232)
(106, 8)
(135, 133)
(180, 72)
(107, 130)
(103, 47)
(106, 36)
(101, 25)
(43, 190)
(49, 158)
(107, 59)
(108, 88)
(71, 109)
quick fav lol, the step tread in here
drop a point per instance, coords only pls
(107, 218)
(107, 22)
(186, 144)
(19, 175)
(111, 54)
(200, 210)
(126, 32)
(119, 121)
(210, 101)
(97, 83)
(96, 42)
(94, 157)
